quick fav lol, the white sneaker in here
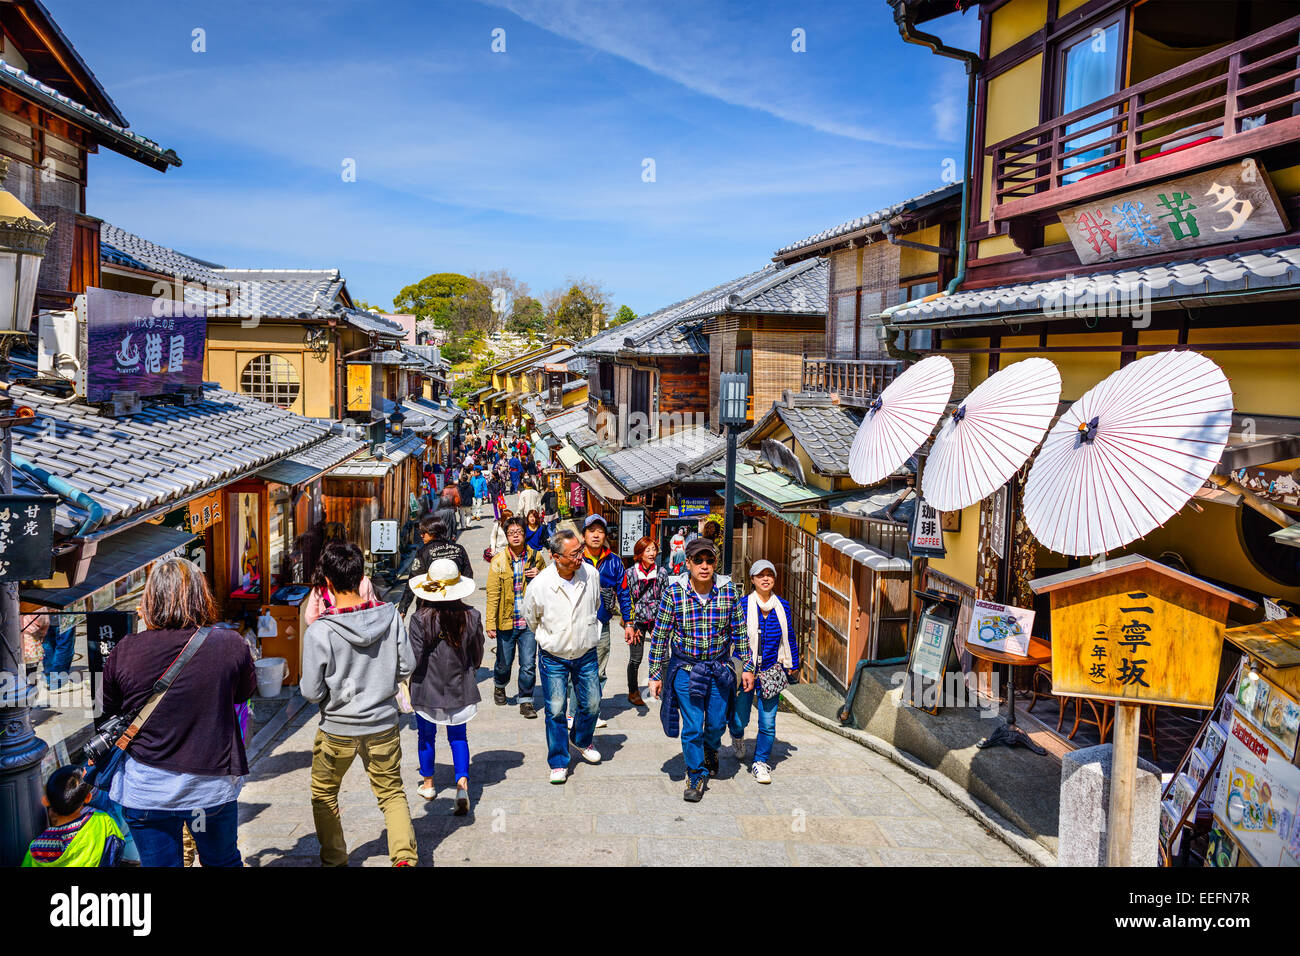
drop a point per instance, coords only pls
(570, 721)
(738, 747)
(601, 722)
(589, 754)
(559, 774)
(762, 772)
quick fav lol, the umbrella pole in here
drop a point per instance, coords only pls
(1123, 779)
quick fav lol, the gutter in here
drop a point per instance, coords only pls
(94, 511)
(907, 30)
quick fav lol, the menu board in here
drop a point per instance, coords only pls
(1000, 627)
(26, 537)
(632, 530)
(1258, 797)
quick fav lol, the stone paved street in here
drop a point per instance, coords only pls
(830, 801)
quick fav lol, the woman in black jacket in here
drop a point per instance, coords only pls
(447, 641)
(187, 763)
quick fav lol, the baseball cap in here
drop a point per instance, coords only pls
(760, 566)
(592, 519)
(699, 545)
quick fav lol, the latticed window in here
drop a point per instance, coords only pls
(271, 379)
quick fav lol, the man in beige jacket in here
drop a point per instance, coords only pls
(511, 571)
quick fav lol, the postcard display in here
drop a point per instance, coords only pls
(1256, 797)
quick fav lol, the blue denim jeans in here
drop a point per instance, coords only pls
(556, 673)
(426, 733)
(602, 660)
(701, 725)
(745, 701)
(507, 641)
(59, 645)
(158, 834)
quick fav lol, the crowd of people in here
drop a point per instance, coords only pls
(167, 789)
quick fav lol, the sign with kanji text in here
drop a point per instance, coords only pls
(103, 630)
(926, 539)
(383, 537)
(205, 512)
(1221, 205)
(26, 537)
(1135, 631)
(142, 344)
(631, 530)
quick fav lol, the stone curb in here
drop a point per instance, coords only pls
(1032, 851)
(265, 737)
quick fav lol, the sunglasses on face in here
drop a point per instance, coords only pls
(704, 559)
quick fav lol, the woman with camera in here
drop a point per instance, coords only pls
(187, 763)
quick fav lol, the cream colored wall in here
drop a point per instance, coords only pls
(231, 347)
(963, 548)
(1080, 371)
(918, 262)
(1015, 21)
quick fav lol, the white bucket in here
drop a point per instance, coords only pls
(271, 674)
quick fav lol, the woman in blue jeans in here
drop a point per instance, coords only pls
(447, 643)
(187, 764)
(772, 642)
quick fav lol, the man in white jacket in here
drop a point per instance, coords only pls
(560, 606)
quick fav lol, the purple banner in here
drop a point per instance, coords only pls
(141, 344)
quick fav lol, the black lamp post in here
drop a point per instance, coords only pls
(733, 403)
(22, 247)
(397, 420)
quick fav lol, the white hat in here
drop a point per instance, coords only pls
(758, 567)
(444, 582)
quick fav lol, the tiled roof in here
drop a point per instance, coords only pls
(933, 197)
(560, 425)
(655, 462)
(825, 432)
(798, 289)
(111, 134)
(661, 332)
(163, 455)
(126, 248)
(577, 383)
(1215, 277)
(311, 461)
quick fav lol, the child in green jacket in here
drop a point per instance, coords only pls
(78, 835)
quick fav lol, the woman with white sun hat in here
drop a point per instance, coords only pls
(447, 641)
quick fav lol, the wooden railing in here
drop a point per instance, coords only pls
(1237, 99)
(855, 380)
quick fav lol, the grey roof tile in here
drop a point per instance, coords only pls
(930, 198)
(655, 462)
(825, 432)
(1277, 268)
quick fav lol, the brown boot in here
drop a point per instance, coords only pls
(634, 698)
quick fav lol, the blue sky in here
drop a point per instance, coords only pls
(529, 160)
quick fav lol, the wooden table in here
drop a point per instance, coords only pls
(1008, 734)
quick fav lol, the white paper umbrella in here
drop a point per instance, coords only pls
(900, 420)
(992, 434)
(1127, 455)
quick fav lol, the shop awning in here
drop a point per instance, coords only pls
(118, 556)
(311, 462)
(601, 486)
(569, 457)
(873, 558)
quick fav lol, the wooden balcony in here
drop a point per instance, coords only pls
(1240, 99)
(856, 381)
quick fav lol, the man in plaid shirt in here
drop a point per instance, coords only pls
(699, 631)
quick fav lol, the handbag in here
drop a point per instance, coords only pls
(771, 681)
(487, 555)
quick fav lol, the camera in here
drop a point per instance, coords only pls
(102, 742)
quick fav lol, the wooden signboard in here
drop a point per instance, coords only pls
(1215, 206)
(205, 511)
(1135, 631)
(358, 387)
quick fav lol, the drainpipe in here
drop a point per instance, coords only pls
(907, 30)
(94, 513)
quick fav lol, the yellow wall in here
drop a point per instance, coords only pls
(1065, 6)
(1286, 181)
(576, 397)
(1210, 544)
(1015, 21)
(1080, 371)
(918, 262)
(1263, 382)
(230, 347)
(1012, 108)
(979, 364)
(963, 548)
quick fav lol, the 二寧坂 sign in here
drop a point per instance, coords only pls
(141, 344)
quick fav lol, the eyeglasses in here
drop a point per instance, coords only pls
(704, 559)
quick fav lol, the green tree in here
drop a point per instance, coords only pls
(579, 313)
(527, 316)
(365, 306)
(624, 314)
(434, 296)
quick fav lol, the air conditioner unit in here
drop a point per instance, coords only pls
(61, 349)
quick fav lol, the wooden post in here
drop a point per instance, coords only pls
(1123, 778)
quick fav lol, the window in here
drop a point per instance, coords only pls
(271, 379)
(1089, 69)
(846, 322)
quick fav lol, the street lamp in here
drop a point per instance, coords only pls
(733, 403)
(22, 246)
(396, 420)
